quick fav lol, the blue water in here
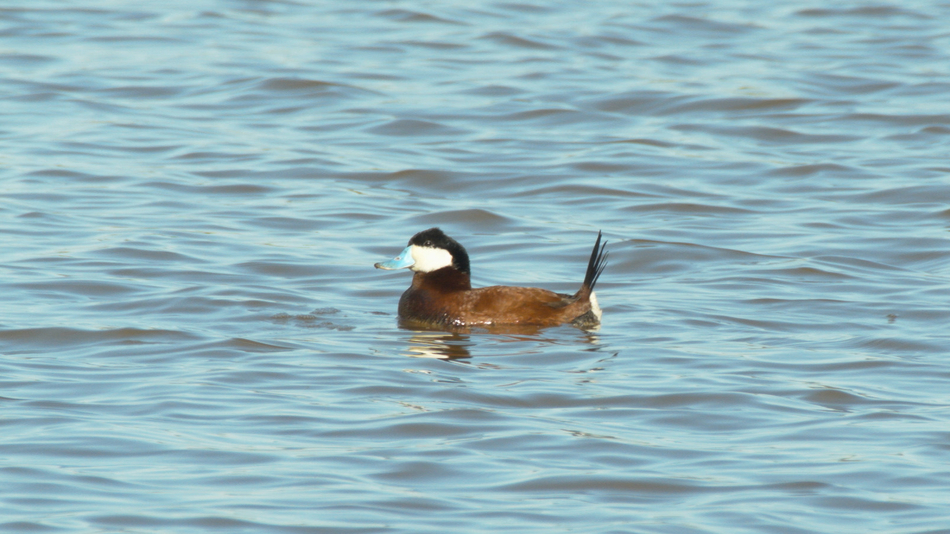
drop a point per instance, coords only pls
(193, 337)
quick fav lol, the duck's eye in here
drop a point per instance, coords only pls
(427, 243)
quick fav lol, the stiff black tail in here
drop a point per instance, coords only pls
(598, 260)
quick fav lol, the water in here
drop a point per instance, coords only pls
(194, 339)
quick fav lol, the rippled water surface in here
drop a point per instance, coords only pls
(193, 337)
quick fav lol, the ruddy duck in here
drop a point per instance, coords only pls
(441, 293)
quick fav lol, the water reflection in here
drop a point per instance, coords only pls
(441, 346)
(455, 344)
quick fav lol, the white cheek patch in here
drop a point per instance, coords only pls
(428, 259)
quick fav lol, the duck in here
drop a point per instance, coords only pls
(441, 294)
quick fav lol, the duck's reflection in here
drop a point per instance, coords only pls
(455, 344)
(442, 346)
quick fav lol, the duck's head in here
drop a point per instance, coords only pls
(428, 251)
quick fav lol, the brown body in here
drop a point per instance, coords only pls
(445, 297)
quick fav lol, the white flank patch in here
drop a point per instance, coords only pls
(594, 307)
(428, 259)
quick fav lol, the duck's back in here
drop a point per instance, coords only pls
(517, 305)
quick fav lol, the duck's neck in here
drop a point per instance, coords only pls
(446, 279)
